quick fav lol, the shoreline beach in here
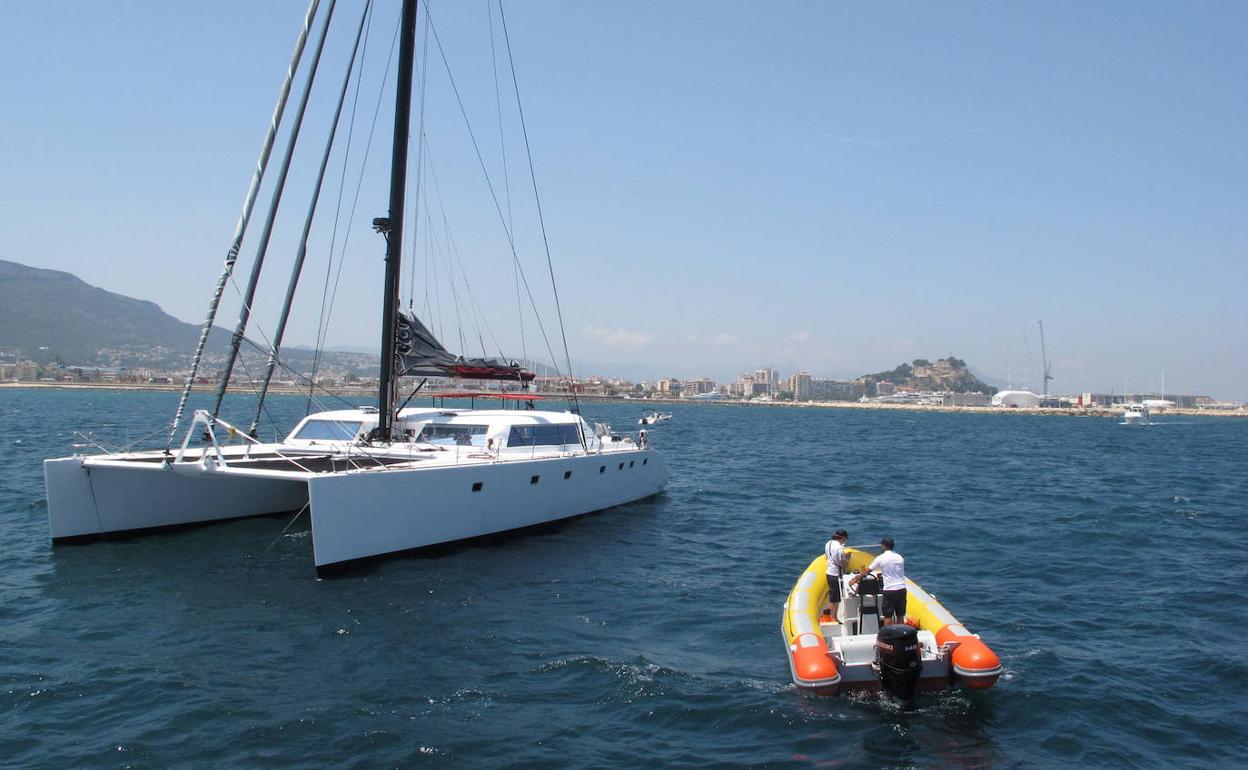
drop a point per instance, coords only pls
(369, 393)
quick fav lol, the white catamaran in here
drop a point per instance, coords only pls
(375, 480)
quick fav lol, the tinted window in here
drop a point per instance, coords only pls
(328, 430)
(544, 435)
(462, 435)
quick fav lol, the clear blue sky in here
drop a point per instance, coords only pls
(832, 186)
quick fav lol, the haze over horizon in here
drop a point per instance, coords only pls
(725, 186)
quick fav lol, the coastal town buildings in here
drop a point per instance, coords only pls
(670, 387)
(770, 378)
(761, 384)
(835, 390)
(800, 386)
(698, 387)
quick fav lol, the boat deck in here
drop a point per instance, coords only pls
(302, 463)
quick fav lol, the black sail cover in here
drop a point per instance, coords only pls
(419, 354)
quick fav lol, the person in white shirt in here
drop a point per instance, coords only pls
(892, 567)
(834, 549)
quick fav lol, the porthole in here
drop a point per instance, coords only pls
(631, 463)
(567, 474)
(621, 466)
(643, 462)
(602, 469)
(534, 479)
(478, 486)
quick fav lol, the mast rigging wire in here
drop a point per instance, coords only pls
(274, 204)
(420, 148)
(297, 268)
(540, 218)
(502, 145)
(493, 195)
(477, 317)
(240, 228)
(327, 313)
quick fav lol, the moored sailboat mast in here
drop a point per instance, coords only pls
(392, 226)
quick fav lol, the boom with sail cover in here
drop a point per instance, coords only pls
(417, 353)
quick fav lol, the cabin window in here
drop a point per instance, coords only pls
(328, 430)
(478, 486)
(534, 479)
(453, 435)
(621, 466)
(643, 462)
(602, 469)
(567, 474)
(543, 435)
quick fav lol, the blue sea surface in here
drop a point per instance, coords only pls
(1104, 563)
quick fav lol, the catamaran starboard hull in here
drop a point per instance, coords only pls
(370, 513)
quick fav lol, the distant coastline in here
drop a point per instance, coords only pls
(641, 403)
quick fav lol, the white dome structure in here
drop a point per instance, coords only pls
(1016, 398)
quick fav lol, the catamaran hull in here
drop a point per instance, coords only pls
(88, 498)
(356, 514)
(363, 514)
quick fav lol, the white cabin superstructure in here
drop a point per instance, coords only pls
(461, 474)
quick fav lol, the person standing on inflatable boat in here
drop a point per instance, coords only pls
(834, 549)
(893, 568)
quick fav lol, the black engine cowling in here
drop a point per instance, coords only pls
(900, 660)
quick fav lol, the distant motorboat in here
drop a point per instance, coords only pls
(655, 417)
(1136, 414)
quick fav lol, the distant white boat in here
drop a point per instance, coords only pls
(1136, 414)
(654, 417)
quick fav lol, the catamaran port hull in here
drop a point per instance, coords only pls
(88, 497)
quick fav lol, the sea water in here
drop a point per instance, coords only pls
(1104, 563)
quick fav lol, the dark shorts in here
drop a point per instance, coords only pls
(893, 603)
(834, 589)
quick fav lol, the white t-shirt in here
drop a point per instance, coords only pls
(893, 567)
(836, 557)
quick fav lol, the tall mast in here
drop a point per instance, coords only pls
(392, 226)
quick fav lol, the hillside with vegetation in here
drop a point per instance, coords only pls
(945, 374)
(51, 315)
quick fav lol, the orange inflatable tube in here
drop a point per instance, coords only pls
(973, 662)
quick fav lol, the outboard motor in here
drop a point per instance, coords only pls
(900, 660)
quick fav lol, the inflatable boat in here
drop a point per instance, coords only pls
(931, 650)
